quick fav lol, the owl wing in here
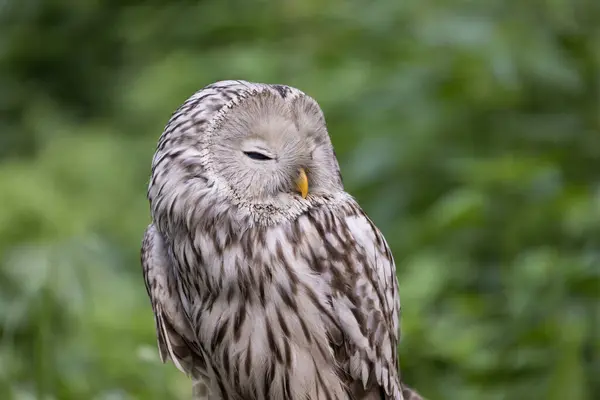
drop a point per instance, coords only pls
(365, 303)
(175, 337)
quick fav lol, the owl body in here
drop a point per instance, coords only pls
(264, 287)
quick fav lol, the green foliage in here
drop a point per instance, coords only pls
(470, 132)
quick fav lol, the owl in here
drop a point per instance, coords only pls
(266, 279)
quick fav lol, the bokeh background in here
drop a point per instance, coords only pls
(469, 131)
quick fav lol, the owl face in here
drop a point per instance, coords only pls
(267, 148)
(243, 153)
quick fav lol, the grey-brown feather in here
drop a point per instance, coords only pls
(257, 292)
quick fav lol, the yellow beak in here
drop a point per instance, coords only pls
(302, 183)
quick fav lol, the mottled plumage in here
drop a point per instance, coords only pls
(260, 291)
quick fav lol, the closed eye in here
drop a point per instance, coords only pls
(257, 156)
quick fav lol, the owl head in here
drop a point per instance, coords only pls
(259, 148)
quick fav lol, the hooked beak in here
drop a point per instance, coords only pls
(302, 183)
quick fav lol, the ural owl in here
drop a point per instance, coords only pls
(266, 278)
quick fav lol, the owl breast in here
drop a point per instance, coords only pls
(260, 309)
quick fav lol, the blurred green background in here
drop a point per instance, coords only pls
(469, 131)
